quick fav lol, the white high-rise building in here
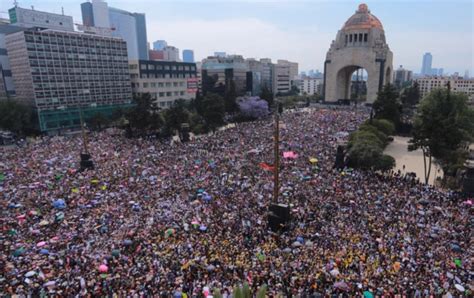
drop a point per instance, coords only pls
(171, 53)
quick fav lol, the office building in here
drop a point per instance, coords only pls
(466, 75)
(426, 65)
(401, 77)
(129, 26)
(188, 56)
(458, 85)
(166, 81)
(225, 69)
(262, 74)
(220, 54)
(171, 53)
(309, 85)
(7, 88)
(293, 67)
(28, 18)
(156, 55)
(95, 14)
(61, 73)
(159, 45)
(284, 74)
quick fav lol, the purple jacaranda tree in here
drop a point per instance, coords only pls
(253, 107)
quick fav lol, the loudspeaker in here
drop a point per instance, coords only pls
(281, 210)
(86, 162)
(278, 217)
(276, 223)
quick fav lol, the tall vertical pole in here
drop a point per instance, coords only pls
(84, 137)
(276, 163)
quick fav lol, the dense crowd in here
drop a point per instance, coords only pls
(154, 219)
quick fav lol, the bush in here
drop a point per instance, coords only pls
(364, 153)
(372, 129)
(385, 126)
(385, 163)
(365, 136)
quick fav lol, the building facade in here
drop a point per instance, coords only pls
(171, 53)
(166, 81)
(188, 56)
(281, 78)
(426, 64)
(310, 86)
(129, 26)
(7, 88)
(226, 69)
(458, 85)
(63, 73)
(159, 45)
(23, 17)
(402, 76)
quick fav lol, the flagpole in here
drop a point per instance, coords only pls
(276, 163)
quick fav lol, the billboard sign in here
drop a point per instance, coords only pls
(192, 85)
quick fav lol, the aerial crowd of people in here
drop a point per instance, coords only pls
(160, 220)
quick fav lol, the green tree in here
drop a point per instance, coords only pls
(213, 110)
(230, 97)
(176, 115)
(383, 125)
(387, 105)
(410, 96)
(442, 129)
(385, 163)
(98, 121)
(144, 116)
(16, 117)
(209, 83)
(267, 95)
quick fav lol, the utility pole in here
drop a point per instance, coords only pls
(276, 163)
(84, 137)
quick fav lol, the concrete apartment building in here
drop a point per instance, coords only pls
(28, 18)
(402, 76)
(310, 86)
(284, 73)
(458, 85)
(166, 81)
(61, 73)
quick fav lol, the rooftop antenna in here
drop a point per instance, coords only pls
(15, 3)
(62, 9)
(32, 7)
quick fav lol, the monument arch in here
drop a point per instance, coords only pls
(359, 44)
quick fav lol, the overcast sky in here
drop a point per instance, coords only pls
(298, 30)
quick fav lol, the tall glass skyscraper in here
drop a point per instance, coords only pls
(160, 45)
(426, 65)
(129, 26)
(188, 56)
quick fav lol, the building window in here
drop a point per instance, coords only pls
(160, 84)
(162, 94)
(355, 37)
(365, 37)
(360, 37)
(350, 38)
(168, 93)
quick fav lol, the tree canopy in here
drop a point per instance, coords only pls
(442, 129)
(387, 105)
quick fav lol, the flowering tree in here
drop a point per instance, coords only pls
(253, 107)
